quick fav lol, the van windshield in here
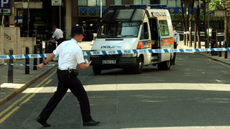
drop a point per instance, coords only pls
(119, 29)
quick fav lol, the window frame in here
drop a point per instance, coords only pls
(167, 28)
(121, 1)
(145, 34)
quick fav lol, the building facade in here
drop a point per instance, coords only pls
(86, 13)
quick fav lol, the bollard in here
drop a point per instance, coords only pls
(226, 53)
(35, 59)
(46, 49)
(220, 52)
(40, 47)
(10, 68)
(0, 82)
(27, 68)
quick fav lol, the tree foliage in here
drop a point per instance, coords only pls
(216, 4)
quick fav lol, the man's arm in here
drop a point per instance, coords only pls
(53, 36)
(84, 66)
(48, 59)
(50, 39)
(178, 37)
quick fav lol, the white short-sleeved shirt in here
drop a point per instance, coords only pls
(176, 37)
(58, 33)
(70, 54)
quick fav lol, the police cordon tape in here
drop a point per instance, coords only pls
(26, 64)
(109, 52)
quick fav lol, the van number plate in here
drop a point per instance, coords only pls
(108, 61)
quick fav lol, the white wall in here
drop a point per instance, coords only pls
(12, 39)
(17, 43)
(27, 42)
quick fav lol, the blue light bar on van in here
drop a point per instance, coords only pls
(158, 6)
(128, 6)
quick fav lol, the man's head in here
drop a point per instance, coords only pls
(77, 32)
(54, 26)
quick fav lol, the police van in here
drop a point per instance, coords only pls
(129, 27)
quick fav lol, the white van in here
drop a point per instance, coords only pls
(129, 27)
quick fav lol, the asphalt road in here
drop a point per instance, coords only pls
(193, 94)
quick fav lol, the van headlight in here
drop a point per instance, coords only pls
(129, 55)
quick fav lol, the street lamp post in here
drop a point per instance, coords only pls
(101, 9)
(28, 19)
(208, 21)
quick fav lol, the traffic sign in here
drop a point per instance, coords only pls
(5, 6)
(56, 2)
(220, 13)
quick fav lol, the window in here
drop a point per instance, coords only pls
(138, 2)
(91, 2)
(118, 29)
(99, 2)
(172, 3)
(163, 2)
(117, 2)
(125, 15)
(146, 2)
(164, 28)
(154, 2)
(178, 3)
(144, 31)
(82, 3)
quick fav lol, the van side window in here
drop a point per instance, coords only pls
(144, 31)
(164, 28)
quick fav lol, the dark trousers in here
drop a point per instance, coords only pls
(60, 41)
(74, 84)
(174, 54)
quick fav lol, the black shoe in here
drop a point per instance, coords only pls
(42, 122)
(91, 123)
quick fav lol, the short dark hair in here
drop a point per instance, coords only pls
(53, 25)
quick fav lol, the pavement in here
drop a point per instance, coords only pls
(21, 80)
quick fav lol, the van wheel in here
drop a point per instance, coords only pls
(96, 70)
(159, 66)
(164, 65)
(139, 66)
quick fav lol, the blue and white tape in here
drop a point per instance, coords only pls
(24, 56)
(109, 52)
(89, 53)
(26, 64)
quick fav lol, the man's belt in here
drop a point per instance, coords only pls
(70, 73)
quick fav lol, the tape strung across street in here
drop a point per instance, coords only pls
(26, 64)
(89, 53)
(135, 51)
(109, 52)
(24, 56)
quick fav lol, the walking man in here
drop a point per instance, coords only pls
(70, 54)
(176, 41)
